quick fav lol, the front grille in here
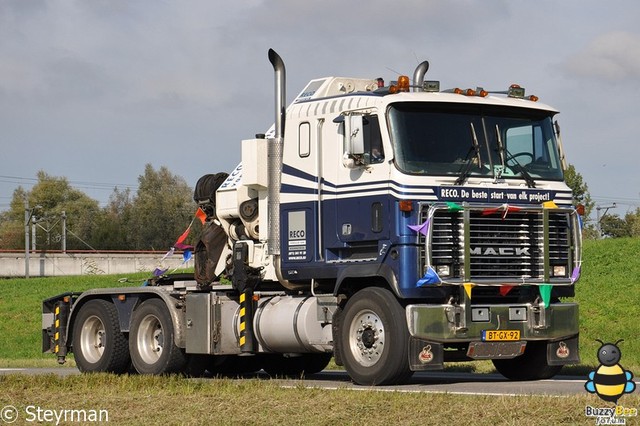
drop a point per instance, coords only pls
(483, 244)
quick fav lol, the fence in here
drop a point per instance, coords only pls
(48, 264)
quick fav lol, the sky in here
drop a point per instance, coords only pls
(92, 90)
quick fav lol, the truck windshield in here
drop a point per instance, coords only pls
(438, 139)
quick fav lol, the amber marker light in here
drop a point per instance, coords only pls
(406, 205)
(403, 83)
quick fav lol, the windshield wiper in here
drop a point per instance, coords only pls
(502, 150)
(500, 146)
(465, 170)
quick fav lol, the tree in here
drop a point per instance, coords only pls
(161, 210)
(48, 198)
(580, 189)
(613, 226)
(111, 225)
(633, 222)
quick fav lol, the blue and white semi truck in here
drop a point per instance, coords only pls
(392, 227)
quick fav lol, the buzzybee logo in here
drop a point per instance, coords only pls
(610, 381)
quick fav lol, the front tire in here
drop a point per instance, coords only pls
(151, 340)
(98, 344)
(374, 338)
(532, 365)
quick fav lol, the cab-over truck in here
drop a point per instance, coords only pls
(393, 227)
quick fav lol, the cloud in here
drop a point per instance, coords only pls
(614, 56)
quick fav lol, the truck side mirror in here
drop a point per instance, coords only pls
(353, 140)
(354, 134)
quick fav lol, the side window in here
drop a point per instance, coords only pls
(373, 153)
(304, 139)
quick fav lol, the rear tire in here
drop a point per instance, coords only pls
(98, 344)
(374, 339)
(151, 340)
(532, 365)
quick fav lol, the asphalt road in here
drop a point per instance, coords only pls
(431, 382)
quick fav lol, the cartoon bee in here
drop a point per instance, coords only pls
(610, 381)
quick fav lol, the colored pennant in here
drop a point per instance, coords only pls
(184, 236)
(549, 205)
(545, 292)
(505, 289)
(186, 256)
(200, 214)
(168, 254)
(575, 274)
(421, 229)
(182, 246)
(430, 277)
(504, 208)
(157, 272)
(453, 207)
(467, 289)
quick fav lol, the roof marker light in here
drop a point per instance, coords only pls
(515, 91)
(431, 86)
(403, 83)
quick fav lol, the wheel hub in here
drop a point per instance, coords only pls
(366, 340)
(92, 339)
(150, 339)
(368, 337)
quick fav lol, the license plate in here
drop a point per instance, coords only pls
(500, 335)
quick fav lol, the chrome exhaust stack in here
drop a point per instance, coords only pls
(418, 76)
(274, 153)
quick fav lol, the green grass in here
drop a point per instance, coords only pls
(610, 303)
(608, 293)
(141, 400)
(21, 310)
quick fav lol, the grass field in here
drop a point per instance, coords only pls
(145, 400)
(608, 293)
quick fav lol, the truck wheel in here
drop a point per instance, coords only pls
(151, 340)
(532, 365)
(98, 344)
(374, 338)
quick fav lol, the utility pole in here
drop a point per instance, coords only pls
(28, 214)
(33, 233)
(27, 217)
(599, 218)
(64, 231)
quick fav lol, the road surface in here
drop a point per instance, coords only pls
(431, 382)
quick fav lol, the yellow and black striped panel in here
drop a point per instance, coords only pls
(243, 317)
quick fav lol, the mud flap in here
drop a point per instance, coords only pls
(425, 355)
(563, 352)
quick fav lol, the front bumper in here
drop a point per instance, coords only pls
(460, 328)
(460, 323)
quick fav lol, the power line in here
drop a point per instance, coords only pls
(78, 183)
